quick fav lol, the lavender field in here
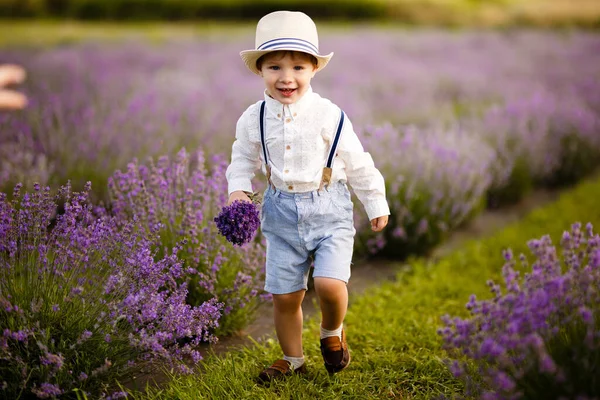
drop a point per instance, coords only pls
(456, 121)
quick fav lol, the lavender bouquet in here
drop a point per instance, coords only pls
(541, 338)
(238, 222)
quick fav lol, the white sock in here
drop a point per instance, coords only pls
(296, 362)
(336, 332)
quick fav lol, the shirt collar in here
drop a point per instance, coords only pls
(281, 111)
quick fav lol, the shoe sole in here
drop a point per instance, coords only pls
(335, 371)
(265, 380)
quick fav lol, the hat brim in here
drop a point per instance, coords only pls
(250, 58)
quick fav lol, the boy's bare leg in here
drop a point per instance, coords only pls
(288, 322)
(333, 298)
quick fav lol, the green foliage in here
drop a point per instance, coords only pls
(579, 158)
(519, 185)
(569, 349)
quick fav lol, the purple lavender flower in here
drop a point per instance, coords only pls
(56, 360)
(47, 390)
(117, 395)
(542, 330)
(103, 269)
(539, 119)
(171, 199)
(238, 222)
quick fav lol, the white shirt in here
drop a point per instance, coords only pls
(298, 138)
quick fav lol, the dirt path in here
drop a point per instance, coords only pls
(369, 272)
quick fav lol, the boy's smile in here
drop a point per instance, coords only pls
(287, 92)
(287, 76)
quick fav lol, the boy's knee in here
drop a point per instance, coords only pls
(330, 289)
(289, 302)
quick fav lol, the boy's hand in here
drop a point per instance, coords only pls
(11, 75)
(377, 224)
(238, 195)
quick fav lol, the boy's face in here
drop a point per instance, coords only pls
(287, 76)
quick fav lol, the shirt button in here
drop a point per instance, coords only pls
(288, 147)
(278, 115)
(295, 114)
(288, 120)
(287, 171)
(290, 187)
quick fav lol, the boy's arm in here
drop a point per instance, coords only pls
(11, 75)
(245, 159)
(363, 177)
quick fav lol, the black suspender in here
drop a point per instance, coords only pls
(262, 132)
(336, 140)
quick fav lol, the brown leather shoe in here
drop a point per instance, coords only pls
(335, 353)
(279, 369)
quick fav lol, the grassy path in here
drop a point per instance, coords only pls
(365, 275)
(392, 327)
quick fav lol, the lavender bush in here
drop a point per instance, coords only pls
(177, 199)
(83, 302)
(540, 339)
(555, 136)
(238, 222)
(436, 180)
(531, 96)
(95, 106)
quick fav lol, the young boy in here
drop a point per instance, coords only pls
(309, 151)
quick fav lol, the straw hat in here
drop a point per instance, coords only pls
(285, 30)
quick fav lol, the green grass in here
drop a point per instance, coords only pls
(391, 328)
(398, 13)
(37, 33)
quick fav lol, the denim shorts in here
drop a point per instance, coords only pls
(301, 228)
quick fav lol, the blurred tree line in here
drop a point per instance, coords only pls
(582, 13)
(189, 9)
